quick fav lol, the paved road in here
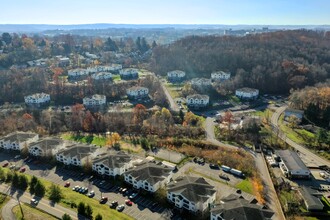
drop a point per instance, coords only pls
(210, 136)
(43, 204)
(6, 212)
(307, 153)
(173, 105)
(271, 196)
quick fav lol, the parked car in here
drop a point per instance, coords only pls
(67, 184)
(5, 164)
(214, 166)
(113, 204)
(123, 191)
(91, 194)
(17, 156)
(34, 202)
(128, 202)
(12, 166)
(120, 208)
(103, 200)
(133, 195)
(22, 170)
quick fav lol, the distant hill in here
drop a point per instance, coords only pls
(43, 27)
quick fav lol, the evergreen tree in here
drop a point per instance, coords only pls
(138, 44)
(23, 182)
(39, 189)
(89, 212)
(6, 37)
(144, 45)
(15, 180)
(33, 182)
(66, 217)
(154, 44)
(81, 209)
(98, 217)
(55, 194)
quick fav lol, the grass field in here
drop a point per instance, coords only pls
(90, 139)
(174, 89)
(245, 186)
(116, 77)
(31, 213)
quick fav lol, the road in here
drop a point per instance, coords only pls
(271, 196)
(6, 212)
(43, 204)
(318, 161)
(173, 106)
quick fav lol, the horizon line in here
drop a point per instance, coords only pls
(166, 24)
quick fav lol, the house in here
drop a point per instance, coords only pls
(76, 155)
(220, 76)
(137, 92)
(291, 165)
(236, 207)
(200, 82)
(18, 140)
(176, 76)
(115, 68)
(191, 193)
(112, 164)
(102, 76)
(77, 73)
(94, 101)
(247, 93)
(129, 73)
(46, 147)
(63, 61)
(148, 176)
(37, 99)
(197, 101)
(293, 112)
(311, 198)
(91, 56)
(92, 69)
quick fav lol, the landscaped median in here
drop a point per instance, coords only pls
(71, 200)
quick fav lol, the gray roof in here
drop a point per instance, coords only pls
(246, 89)
(311, 201)
(115, 160)
(150, 172)
(194, 189)
(291, 160)
(79, 150)
(197, 96)
(48, 143)
(235, 207)
(19, 137)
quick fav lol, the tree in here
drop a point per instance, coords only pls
(138, 44)
(34, 180)
(15, 180)
(66, 217)
(98, 217)
(6, 37)
(55, 193)
(322, 136)
(293, 121)
(89, 212)
(81, 209)
(25, 151)
(139, 114)
(23, 182)
(154, 44)
(144, 45)
(39, 189)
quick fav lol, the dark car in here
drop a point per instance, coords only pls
(214, 166)
(113, 204)
(103, 200)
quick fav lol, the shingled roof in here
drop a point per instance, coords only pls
(114, 160)
(237, 208)
(194, 189)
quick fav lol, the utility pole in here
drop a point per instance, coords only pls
(20, 207)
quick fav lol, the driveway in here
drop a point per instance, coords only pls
(173, 105)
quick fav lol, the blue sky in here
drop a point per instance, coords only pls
(277, 12)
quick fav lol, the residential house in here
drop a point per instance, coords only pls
(292, 165)
(311, 199)
(18, 140)
(197, 101)
(76, 155)
(102, 76)
(91, 56)
(95, 100)
(137, 92)
(191, 193)
(129, 73)
(92, 69)
(112, 164)
(293, 112)
(200, 82)
(77, 73)
(37, 99)
(236, 207)
(63, 61)
(46, 147)
(115, 68)
(176, 76)
(220, 76)
(148, 176)
(247, 93)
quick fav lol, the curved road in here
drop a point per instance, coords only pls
(7, 210)
(307, 153)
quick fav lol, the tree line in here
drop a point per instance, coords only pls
(271, 62)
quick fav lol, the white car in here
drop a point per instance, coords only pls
(34, 202)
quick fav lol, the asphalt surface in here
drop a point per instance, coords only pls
(173, 105)
(315, 159)
(7, 212)
(43, 204)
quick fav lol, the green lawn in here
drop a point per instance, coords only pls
(31, 213)
(3, 200)
(173, 89)
(89, 139)
(246, 186)
(116, 77)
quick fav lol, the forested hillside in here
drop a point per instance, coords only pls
(272, 62)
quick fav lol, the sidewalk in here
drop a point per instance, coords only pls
(43, 204)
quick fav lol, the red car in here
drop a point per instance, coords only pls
(67, 184)
(22, 170)
(5, 164)
(128, 202)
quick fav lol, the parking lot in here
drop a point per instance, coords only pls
(142, 208)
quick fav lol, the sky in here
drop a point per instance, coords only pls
(230, 12)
